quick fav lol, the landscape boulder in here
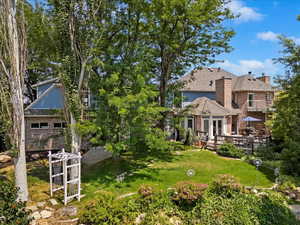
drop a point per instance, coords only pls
(5, 158)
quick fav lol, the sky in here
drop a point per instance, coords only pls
(255, 43)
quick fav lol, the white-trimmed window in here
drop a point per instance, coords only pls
(59, 125)
(42, 125)
(251, 99)
(189, 122)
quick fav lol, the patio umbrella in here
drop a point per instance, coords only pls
(250, 119)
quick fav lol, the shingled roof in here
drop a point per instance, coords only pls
(250, 83)
(206, 106)
(204, 80)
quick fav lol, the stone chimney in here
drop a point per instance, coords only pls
(224, 92)
(264, 78)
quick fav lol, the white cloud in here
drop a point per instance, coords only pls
(267, 36)
(256, 67)
(271, 36)
(245, 13)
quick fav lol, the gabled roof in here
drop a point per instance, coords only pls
(205, 106)
(44, 96)
(204, 79)
(45, 82)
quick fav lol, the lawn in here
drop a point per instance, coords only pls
(165, 172)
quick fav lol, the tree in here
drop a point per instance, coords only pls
(13, 65)
(285, 123)
(183, 34)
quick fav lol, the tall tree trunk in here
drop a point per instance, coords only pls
(15, 69)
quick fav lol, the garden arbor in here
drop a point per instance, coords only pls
(64, 171)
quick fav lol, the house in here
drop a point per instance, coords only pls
(219, 101)
(44, 123)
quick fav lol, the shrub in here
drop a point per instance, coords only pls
(230, 150)
(12, 212)
(190, 137)
(188, 192)
(226, 185)
(105, 209)
(267, 152)
(286, 186)
(145, 190)
(176, 146)
(291, 159)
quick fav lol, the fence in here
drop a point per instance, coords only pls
(247, 143)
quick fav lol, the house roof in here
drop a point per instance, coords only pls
(45, 82)
(204, 80)
(250, 83)
(206, 106)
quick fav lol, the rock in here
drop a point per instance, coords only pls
(32, 208)
(33, 222)
(140, 218)
(49, 208)
(95, 155)
(5, 158)
(36, 215)
(67, 211)
(295, 210)
(53, 201)
(45, 214)
(254, 191)
(175, 221)
(292, 195)
(41, 204)
(35, 156)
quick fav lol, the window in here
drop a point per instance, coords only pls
(35, 125)
(206, 126)
(44, 125)
(39, 125)
(60, 125)
(268, 97)
(190, 123)
(57, 125)
(250, 99)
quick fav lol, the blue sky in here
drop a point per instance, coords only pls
(255, 43)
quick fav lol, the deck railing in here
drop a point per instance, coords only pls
(248, 143)
(259, 105)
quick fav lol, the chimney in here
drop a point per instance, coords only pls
(224, 91)
(264, 78)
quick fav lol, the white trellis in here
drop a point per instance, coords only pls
(64, 171)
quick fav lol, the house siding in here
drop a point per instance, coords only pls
(43, 139)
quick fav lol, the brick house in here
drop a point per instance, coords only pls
(218, 101)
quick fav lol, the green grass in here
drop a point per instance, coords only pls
(168, 171)
(163, 172)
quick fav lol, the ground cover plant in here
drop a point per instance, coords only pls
(219, 203)
(230, 150)
(12, 212)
